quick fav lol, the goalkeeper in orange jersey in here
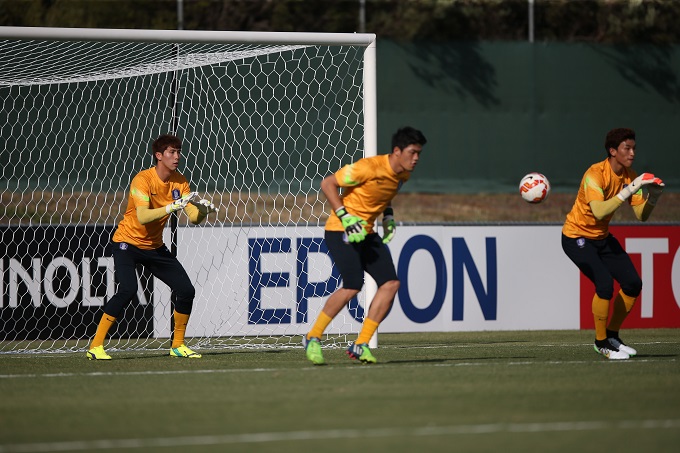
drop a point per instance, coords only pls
(369, 185)
(587, 242)
(155, 194)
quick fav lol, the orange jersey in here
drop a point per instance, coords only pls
(147, 189)
(598, 183)
(369, 185)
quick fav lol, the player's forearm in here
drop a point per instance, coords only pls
(602, 209)
(146, 215)
(643, 211)
(330, 187)
(654, 192)
(195, 216)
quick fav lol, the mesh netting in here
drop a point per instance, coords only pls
(261, 126)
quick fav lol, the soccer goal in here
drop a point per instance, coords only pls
(263, 118)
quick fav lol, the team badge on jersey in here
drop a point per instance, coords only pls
(176, 194)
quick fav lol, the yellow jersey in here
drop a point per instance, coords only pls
(147, 189)
(369, 185)
(599, 183)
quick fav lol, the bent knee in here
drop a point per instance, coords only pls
(633, 288)
(392, 285)
(605, 290)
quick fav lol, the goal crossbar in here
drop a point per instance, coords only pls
(186, 36)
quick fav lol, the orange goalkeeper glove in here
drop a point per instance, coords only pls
(642, 180)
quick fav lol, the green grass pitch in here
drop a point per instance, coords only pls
(464, 391)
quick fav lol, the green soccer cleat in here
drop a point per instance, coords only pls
(185, 352)
(313, 350)
(361, 352)
(98, 353)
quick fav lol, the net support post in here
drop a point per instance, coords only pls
(370, 147)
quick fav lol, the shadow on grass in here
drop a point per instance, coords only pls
(654, 356)
(245, 351)
(457, 359)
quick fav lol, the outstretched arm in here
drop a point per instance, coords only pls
(602, 209)
(147, 215)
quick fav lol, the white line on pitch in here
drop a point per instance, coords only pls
(422, 431)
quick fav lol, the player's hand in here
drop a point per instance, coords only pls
(642, 180)
(204, 206)
(389, 225)
(180, 203)
(654, 191)
(353, 225)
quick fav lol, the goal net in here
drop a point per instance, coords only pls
(263, 118)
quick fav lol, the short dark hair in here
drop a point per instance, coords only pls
(164, 141)
(616, 136)
(407, 136)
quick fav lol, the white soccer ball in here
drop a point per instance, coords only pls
(534, 187)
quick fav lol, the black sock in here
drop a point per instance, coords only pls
(602, 344)
(612, 334)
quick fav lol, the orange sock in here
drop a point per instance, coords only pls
(367, 330)
(600, 314)
(102, 329)
(319, 326)
(181, 321)
(622, 306)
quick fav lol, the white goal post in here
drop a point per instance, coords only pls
(264, 116)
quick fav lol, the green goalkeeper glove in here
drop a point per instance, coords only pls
(180, 203)
(204, 206)
(353, 225)
(633, 187)
(389, 225)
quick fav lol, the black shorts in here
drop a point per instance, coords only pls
(603, 261)
(352, 259)
(161, 263)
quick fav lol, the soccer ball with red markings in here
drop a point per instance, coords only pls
(534, 187)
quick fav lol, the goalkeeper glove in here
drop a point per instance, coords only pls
(633, 187)
(180, 203)
(204, 206)
(655, 191)
(353, 225)
(389, 226)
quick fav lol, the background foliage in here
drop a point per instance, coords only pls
(604, 21)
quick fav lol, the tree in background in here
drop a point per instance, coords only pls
(620, 21)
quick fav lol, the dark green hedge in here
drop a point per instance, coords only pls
(604, 21)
